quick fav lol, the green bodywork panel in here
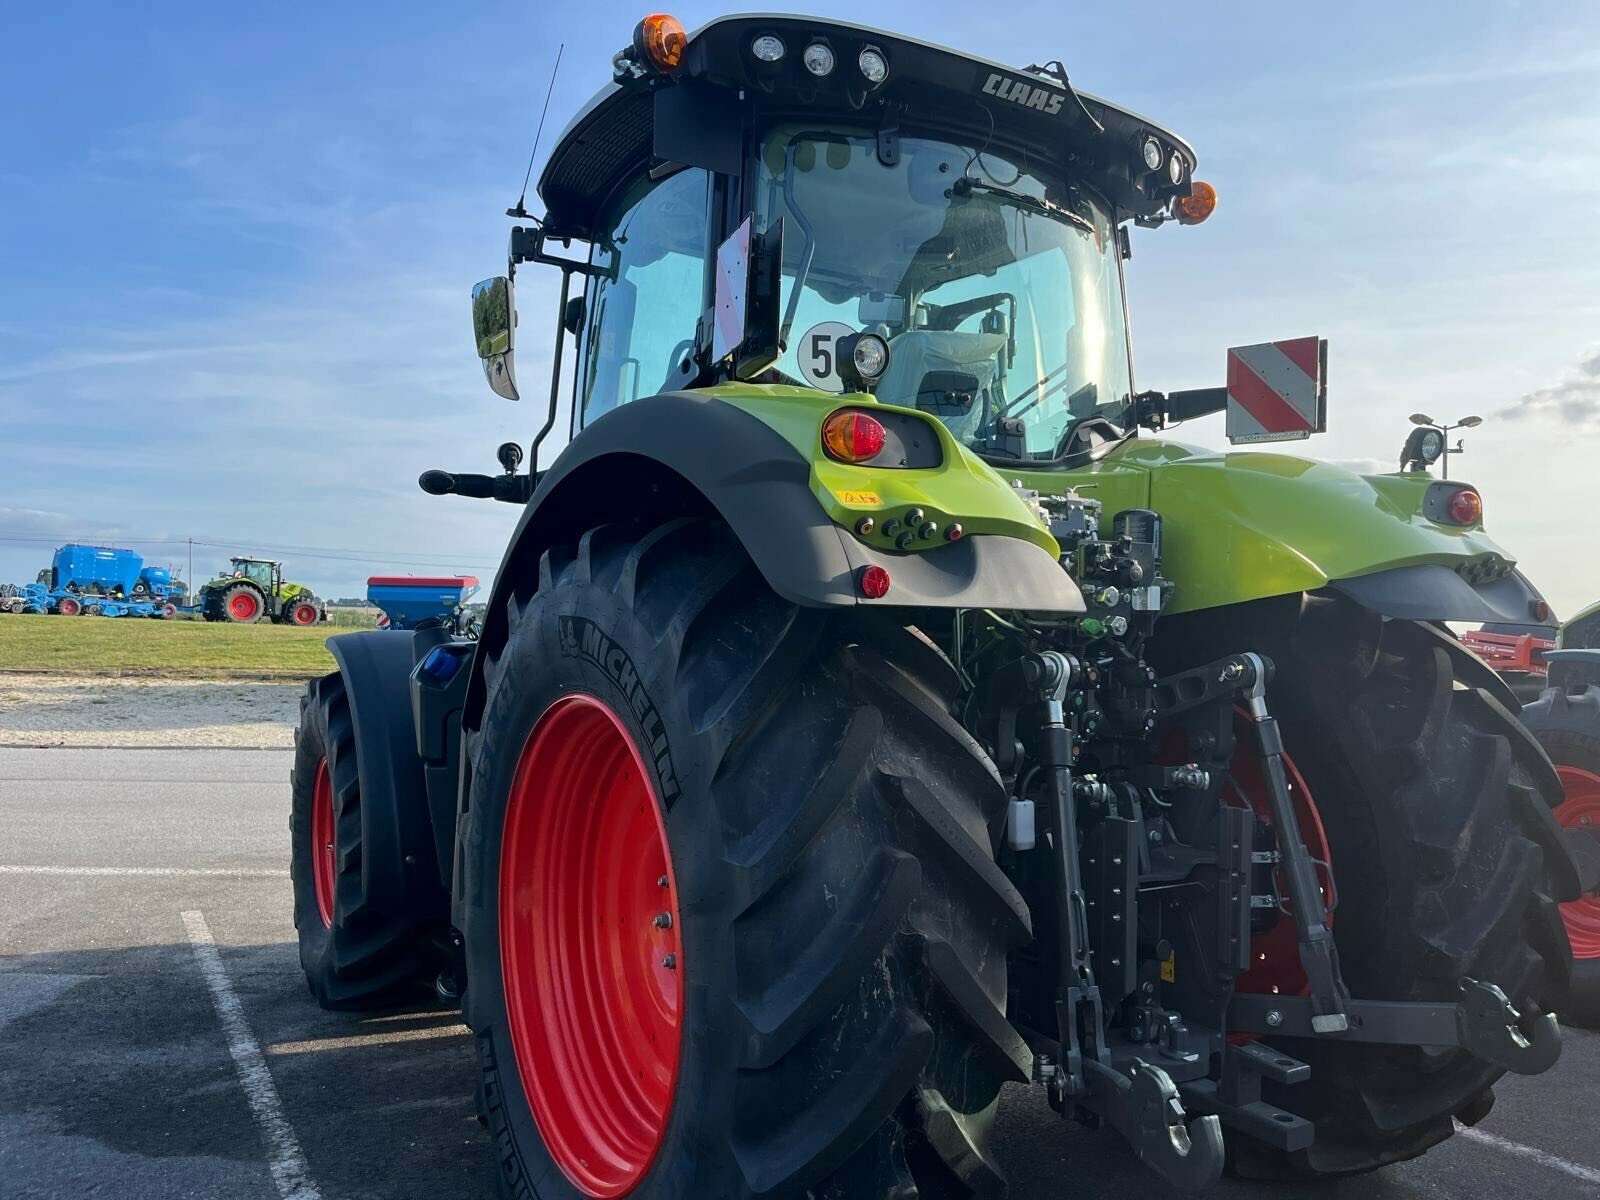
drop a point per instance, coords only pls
(963, 488)
(1245, 525)
(1236, 526)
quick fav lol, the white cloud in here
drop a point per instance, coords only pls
(1574, 402)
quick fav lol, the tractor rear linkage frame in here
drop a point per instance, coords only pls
(1138, 1082)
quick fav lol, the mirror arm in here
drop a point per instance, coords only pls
(1154, 410)
(527, 245)
(555, 372)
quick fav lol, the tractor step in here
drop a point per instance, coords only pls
(1236, 1098)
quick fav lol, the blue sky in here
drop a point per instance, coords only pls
(236, 246)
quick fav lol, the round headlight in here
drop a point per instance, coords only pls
(1431, 446)
(1152, 154)
(1175, 169)
(873, 65)
(818, 59)
(870, 355)
(767, 47)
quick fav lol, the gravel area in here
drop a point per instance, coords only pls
(65, 710)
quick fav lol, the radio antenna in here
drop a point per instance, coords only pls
(519, 210)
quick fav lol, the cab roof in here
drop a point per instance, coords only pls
(929, 87)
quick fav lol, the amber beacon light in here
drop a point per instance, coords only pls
(660, 40)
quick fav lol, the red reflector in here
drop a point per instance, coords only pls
(873, 582)
(1466, 507)
(852, 436)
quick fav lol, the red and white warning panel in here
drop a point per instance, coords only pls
(1277, 391)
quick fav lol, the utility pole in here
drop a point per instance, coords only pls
(189, 578)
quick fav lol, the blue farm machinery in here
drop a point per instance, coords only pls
(98, 581)
(416, 601)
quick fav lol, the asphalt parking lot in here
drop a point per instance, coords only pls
(156, 1038)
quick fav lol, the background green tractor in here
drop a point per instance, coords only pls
(869, 712)
(254, 589)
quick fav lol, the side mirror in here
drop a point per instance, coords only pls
(1277, 391)
(494, 322)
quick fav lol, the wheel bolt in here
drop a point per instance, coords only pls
(670, 962)
(663, 921)
(662, 882)
(1274, 1017)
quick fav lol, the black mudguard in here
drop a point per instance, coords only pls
(399, 856)
(683, 452)
(1574, 668)
(1432, 592)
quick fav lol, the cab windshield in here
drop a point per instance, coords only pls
(998, 288)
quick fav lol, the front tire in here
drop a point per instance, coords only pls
(839, 926)
(355, 956)
(1445, 869)
(1567, 724)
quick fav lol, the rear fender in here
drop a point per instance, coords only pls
(688, 453)
(1573, 668)
(396, 823)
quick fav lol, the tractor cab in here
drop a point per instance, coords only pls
(264, 573)
(788, 201)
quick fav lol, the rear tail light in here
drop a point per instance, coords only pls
(1466, 507)
(852, 436)
(873, 582)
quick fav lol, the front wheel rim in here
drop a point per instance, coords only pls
(322, 851)
(1581, 810)
(590, 952)
(242, 606)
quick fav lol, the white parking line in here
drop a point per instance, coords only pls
(288, 1165)
(1532, 1153)
(160, 872)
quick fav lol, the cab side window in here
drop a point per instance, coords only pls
(643, 304)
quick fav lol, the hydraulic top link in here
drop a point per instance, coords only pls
(1079, 1016)
(1246, 676)
(1318, 955)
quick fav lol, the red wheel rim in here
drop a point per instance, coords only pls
(1581, 810)
(69, 608)
(1275, 955)
(322, 853)
(588, 927)
(304, 614)
(242, 606)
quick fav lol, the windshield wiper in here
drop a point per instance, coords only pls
(966, 185)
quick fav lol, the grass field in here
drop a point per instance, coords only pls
(104, 645)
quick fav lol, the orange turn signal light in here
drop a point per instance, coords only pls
(660, 41)
(1199, 204)
(851, 436)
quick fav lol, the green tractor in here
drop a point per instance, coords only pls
(254, 589)
(871, 711)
